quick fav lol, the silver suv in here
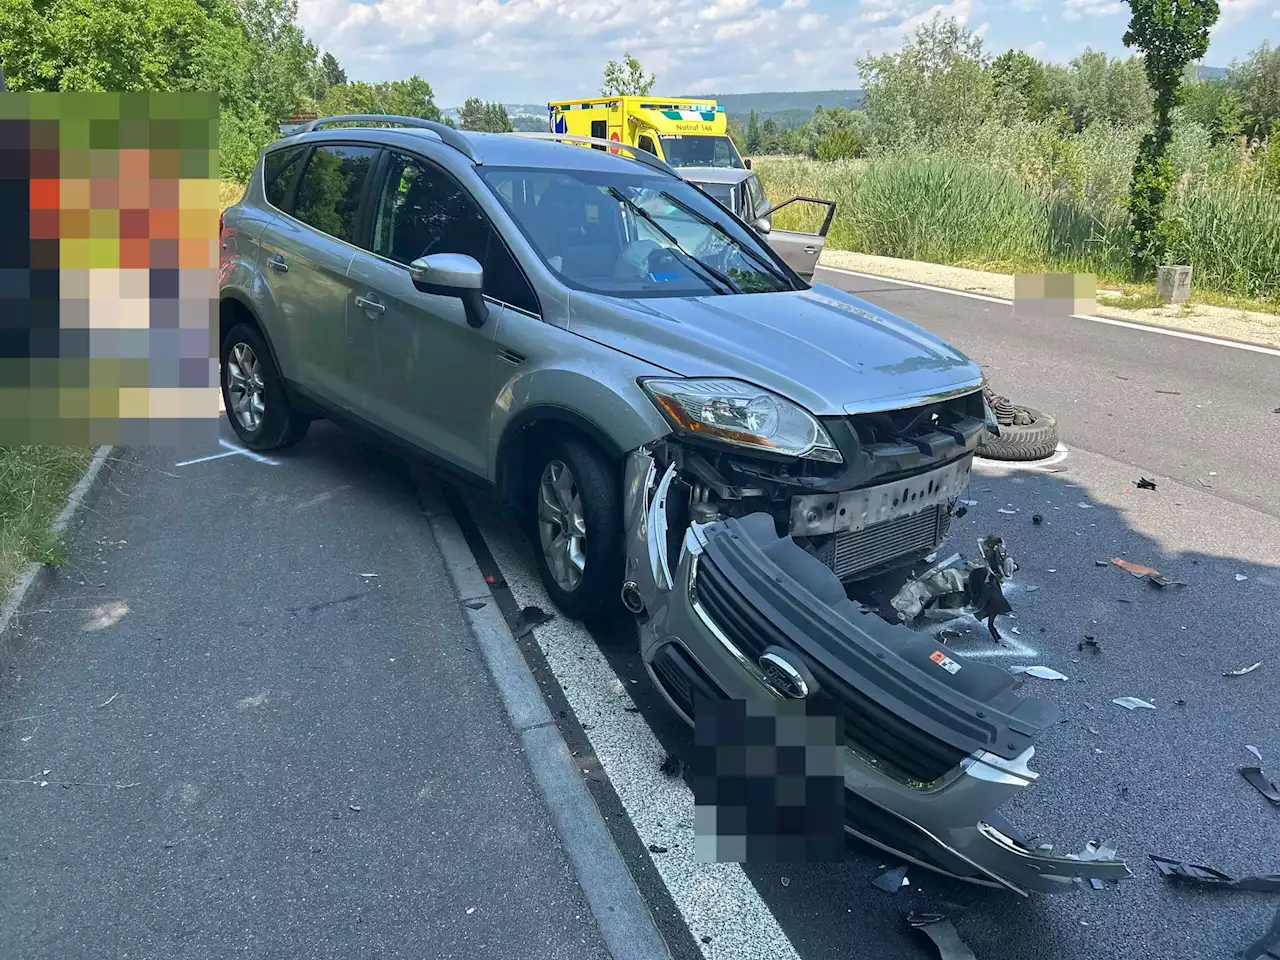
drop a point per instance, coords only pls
(648, 384)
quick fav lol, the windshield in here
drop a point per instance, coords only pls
(623, 234)
(722, 193)
(700, 151)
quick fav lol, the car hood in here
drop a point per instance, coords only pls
(825, 349)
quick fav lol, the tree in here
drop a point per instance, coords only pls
(490, 117)
(753, 133)
(626, 78)
(934, 89)
(769, 136)
(334, 75)
(1095, 88)
(734, 129)
(1257, 81)
(1020, 85)
(1228, 118)
(527, 124)
(1170, 34)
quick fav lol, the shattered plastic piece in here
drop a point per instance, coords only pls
(1091, 643)
(1003, 510)
(1032, 589)
(672, 766)
(1044, 673)
(1181, 872)
(1267, 945)
(1259, 781)
(494, 581)
(1160, 581)
(1243, 670)
(1084, 506)
(960, 511)
(1204, 483)
(943, 934)
(1037, 519)
(891, 881)
(1240, 577)
(1101, 563)
(529, 618)
(474, 604)
(1133, 703)
(786, 881)
(1254, 750)
(654, 848)
(1145, 484)
(1137, 569)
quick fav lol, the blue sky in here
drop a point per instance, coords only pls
(535, 50)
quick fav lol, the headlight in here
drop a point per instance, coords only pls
(738, 413)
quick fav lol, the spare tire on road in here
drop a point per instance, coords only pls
(1025, 433)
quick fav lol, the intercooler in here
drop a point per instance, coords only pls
(851, 553)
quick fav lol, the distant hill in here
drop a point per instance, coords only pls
(787, 109)
(1211, 73)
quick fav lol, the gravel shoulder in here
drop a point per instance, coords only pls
(1244, 325)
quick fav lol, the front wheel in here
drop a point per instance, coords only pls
(253, 393)
(575, 517)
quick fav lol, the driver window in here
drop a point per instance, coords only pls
(646, 143)
(421, 211)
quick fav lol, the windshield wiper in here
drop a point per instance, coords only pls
(721, 278)
(768, 267)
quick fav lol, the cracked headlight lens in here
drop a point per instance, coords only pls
(743, 415)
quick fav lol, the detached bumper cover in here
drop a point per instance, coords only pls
(934, 744)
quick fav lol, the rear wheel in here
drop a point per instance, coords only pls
(576, 527)
(253, 393)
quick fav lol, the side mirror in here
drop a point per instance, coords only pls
(763, 225)
(746, 162)
(453, 275)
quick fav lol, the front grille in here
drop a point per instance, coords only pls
(905, 750)
(851, 553)
(682, 679)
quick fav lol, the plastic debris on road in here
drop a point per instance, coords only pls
(891, 881)
(1243, 670)
(1267, 945)
(1197, 874)
(1254, 750)
(529, 618)
(1090, 643)
(943, 933)
(672, 766)
(1262, 783)
(944, 591)
(1240, 577)
(1133, 703)
(1137, 569)
(1145, 484)
(1043, 673)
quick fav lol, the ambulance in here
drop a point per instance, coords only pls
(684, 131)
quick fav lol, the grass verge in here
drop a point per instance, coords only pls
(34, 481)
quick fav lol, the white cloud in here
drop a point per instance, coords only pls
(1025, 6)
(530, 50)
(1232, 12)
(1037, 49)
(1075, 9)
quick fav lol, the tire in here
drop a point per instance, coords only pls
(246, 360)
(595, 488)
(1033, 441)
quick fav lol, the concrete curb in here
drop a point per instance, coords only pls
(620, 911)
(36, 574)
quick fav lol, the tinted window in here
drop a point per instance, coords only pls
(628, 235)
(646, 143)
(756, 192)
(722, 193)
(329, 192)
(421, 211)
(278, 168)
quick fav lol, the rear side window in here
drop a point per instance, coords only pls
(756, 198)
(278, 168)
(329, 191)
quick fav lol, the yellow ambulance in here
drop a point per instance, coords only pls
(683, 131)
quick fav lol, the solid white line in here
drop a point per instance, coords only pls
(248, 453)
(212, 456)
(1109, 321)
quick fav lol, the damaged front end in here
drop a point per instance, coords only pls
(738, 607)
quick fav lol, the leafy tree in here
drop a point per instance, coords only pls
(769, 136)
(736, 134)
(1096, 88)
(753, 133)
(934, 89)
(1170, 34)
(1020, 85)
(1228, 118)
(333, 72)
(840, 143)
(1257, 82)
(406, 98)
(527, 124)
(491, 117)
(626, 77)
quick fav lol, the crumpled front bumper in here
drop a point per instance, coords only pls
(934, 744)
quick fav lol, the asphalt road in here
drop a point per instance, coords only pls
(1160, 781)
(256, 725)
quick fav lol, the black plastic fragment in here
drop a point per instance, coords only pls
(529, 618)
(1037, 519)
(1267, 945)
(1161, 581)
(1200, 875)
(654, 848)
(672, 766)
(1145, 484)
(1261, 783)
(891, 880)
(1090, 643)
(474, 604)
(960, 511)
(944, 936)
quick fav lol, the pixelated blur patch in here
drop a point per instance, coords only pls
(768, 783)
(104, 336)
(1054, 296)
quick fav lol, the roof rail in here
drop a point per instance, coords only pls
(446, 133)
(640, 156)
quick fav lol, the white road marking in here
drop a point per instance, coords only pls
(716, 899)
(1110, 321)
(231, 451)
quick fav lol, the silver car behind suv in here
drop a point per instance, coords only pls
(670, 409)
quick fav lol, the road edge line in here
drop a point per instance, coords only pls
(36, 574)
(1092, 318)
(621, 914)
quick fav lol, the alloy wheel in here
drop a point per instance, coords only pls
(246, 389)
(562, 528)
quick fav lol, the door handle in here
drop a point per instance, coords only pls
(373, 305)
(277, 263)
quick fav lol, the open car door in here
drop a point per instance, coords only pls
(799, 250)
